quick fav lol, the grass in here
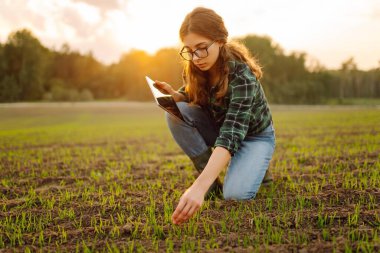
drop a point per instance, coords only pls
(106, 177)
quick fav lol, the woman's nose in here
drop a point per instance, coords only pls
(195, 57)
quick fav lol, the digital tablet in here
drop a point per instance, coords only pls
(164, 101)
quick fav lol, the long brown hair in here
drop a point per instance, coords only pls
(209, 24)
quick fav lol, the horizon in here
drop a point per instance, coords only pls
(110, 29)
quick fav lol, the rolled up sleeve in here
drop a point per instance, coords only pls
(182, 90)
(236, 123)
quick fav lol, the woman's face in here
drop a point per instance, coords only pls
(193, 42)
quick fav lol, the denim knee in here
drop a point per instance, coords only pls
(170, 120)
(237, 193)
(182, 106)
(188, 112)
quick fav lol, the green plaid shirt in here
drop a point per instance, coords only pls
(245, 110)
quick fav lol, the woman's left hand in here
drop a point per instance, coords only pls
(188, 205)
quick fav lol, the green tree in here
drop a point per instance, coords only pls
(347, 78)
(2, 62)
(9, 89)
(76, 70)
(286, 77)
(30, 71)
(25, 64)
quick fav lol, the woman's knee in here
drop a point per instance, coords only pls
(237, 193)
(182, 106)
(170, 119)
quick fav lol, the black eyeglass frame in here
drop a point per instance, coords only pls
(195, 52)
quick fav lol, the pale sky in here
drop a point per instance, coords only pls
(330, 31)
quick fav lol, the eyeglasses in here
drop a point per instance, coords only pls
(200, 53)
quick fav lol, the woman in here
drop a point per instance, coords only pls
(225, 108)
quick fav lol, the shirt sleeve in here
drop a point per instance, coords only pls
(236, 123)
(182, 90)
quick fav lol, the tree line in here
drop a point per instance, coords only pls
(29, 71)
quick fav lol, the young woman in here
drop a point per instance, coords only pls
(227, 118)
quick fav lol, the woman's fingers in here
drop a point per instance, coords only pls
(189, 214)
(188, 204)
(185, 211)
(178, 210)
(159, 87)
(162, 86)
(192, 211)
(157, 84)
(182, 215)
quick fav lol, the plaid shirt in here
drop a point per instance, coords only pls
(245, 110)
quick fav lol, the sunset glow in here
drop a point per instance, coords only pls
(329, 31)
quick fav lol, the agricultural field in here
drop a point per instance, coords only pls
(106, 177)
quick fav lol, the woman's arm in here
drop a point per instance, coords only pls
(217, 162)
(193, 197)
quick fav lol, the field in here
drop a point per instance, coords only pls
(106, 177)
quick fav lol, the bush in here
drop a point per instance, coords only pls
(86, 95)
(59, 93)
(47, 96)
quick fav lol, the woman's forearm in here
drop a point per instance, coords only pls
(217, 162)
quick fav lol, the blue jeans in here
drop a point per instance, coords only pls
(247, 167)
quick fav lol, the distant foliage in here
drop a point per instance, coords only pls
(31, 72)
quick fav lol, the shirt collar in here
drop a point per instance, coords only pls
(233, 66)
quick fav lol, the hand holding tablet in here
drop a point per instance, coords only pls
(163, 100)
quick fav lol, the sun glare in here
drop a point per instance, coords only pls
(149, 29)
(319, 28)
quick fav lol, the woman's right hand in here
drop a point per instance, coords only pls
(164, 87)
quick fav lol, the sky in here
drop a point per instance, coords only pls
(329, 31)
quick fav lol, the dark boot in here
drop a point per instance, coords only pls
(200, 162)
(268, 178)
